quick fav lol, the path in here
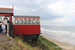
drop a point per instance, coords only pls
(7, 43)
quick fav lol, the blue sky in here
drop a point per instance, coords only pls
(52, 12)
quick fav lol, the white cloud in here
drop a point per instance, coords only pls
(61, 7)
(5, 6)
(56, 7)
(62, 19)
(60, 12)
(45, 22)
(16, 8)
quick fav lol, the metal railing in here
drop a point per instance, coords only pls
(10, 28)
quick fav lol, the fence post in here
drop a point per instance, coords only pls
(7, 29)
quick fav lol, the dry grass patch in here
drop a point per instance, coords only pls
(24, 46)
(9, 39)
(2, 41)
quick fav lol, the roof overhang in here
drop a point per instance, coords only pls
(6, 11)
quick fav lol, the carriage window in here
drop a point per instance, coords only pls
(29, 21)
(20, 21)
(1, 18)
(33, 21)
(37, 22)
(25, 21)
(16, 21)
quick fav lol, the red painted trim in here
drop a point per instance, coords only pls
(21, 18)
(33, 18)
(13, 10)
(10, 18)
(5, 14)
(25, 18)
(38, 18)
(16, 18)
(29, 18)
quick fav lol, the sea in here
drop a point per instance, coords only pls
(64, 34)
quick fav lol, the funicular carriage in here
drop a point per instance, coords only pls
(28, 26)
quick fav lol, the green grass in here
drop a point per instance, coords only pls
(42, 43)
(0, 45)
(48, 45)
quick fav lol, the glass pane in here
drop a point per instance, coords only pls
(20, 21)
(29, 21)
(37, 22)
(25, 21)
(33, 21)
(16, 21)
(1, 18)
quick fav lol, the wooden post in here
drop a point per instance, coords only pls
(7, 29)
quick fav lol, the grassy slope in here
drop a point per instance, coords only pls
(42, 43)
(48, 44)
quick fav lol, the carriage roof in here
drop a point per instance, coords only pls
(28, 16)
(6, 11)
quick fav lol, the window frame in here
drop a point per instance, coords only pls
(33, 21)
(29, 22)
(21, 21)
(24, 21)
(37, 22)
(15, 20)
